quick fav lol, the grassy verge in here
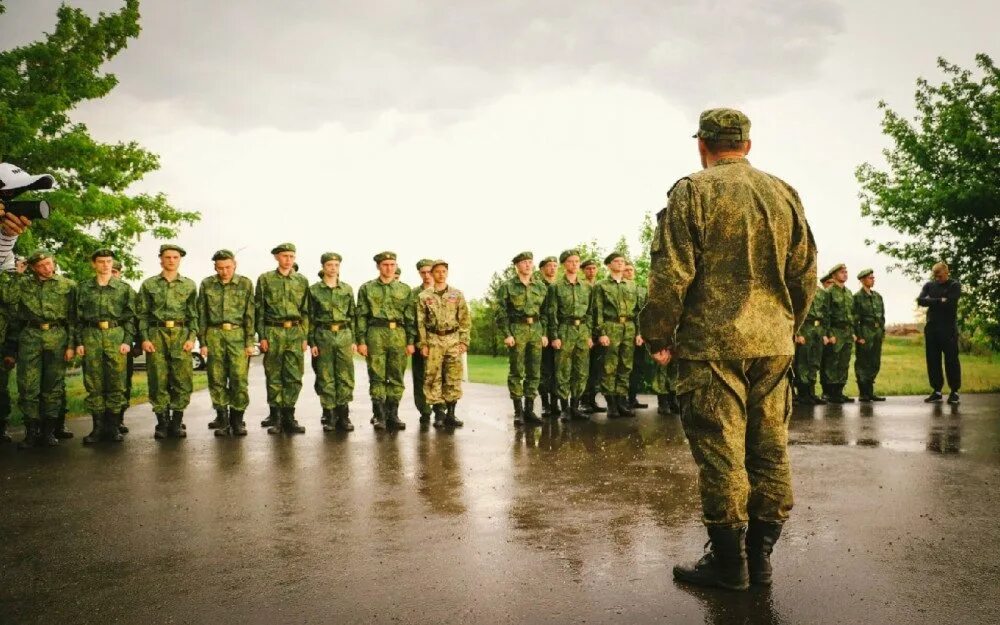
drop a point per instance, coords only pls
(903, 370)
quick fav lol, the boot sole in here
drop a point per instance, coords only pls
(704, 583)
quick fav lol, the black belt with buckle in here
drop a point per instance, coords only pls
(46, 325)
(526, 320)
(335, 327)
(104, 325)
(227, 326)
(170, 323)
(392, 324)
(574, 321)
(444, 332)
(287, 323)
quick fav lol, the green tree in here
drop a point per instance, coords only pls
(942, 188)
(40, 85)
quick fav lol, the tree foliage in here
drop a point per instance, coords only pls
(941, 189)
(40, 85)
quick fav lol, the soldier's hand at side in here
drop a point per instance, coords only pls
(188, 346)
(590, 343)
(410, 350)
(557, 344)
(147, 346)
(462, 348)
(248, 351)
(70, 353)
(425, 351)
(833, 340)
(638, 341)
(605, 341)
(12, 225)
(509, 341)
(315, 352)
(826, 341)
(363, 350)
(203, 351)
(662, 357)
(264, 345)
(545, 341)
(861, 341)
(801, 340)
(124, 349)
(9, 362)
(81, 351)
(354, 348)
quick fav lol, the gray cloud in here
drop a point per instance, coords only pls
(296, 64)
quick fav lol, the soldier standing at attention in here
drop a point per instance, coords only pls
(167, 312)
(418, 360)
(809, 343)
(869, 328)
(725, 227)
(615, 301)
(588, 403)
(41, 333)
(443, 329)
(570, 335)
(547, 271)
(940, 297)
(331, 335)
(386, 333)
(840, 337)
(282, 311)
(521, 318)
(640, 372)
(105, 315)
(226, 329)
(136, 350)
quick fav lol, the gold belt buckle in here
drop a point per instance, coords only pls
(529, 320)
(286, 324)
(334, 327)
(168, 324)
(227, 326)
(816, 323)
(104, 325)
(43, 326)
(392, 325)
(576, 322)
(622, 319)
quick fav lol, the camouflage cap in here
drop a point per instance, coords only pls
(522, 256)
(102, 253)
(590, 262)
(425, 262)
(547, 260)
(864, 273)
(387, 255)
(283, 247)
(38, 256)
(172, 247)
(327, 257)
(835, 269)
(613, 255)
(439, 262)
(567, 253)
(117, 265)
(723, 124)
(223, 255)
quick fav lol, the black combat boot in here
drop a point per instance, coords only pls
(120, 421)
(816, 399)
(48, 436)
(343, 418)
(801, 398)
(661, 405)
(226, 427)
(109, 427)
(624, 410)
(830, 394)
(378, 413)
(546, 404)
(4, 436)
(518, 411)
(288, 422)
(725, 564)
(176, 427)
(31, 431)
(221, 419)
(236, 423)
(529, 412)
(450, 420)
(761, 536)
(634, 403)
(612, 406)
(4, 418)
(440, 414)
(672, 403)
(872, 394)
(160, 431)
(327, 420)
(591, 404)
(564, 409)
(864, 395)
(273, 418)
(425, 416)
(392, 419)
(844, 399)
(95, 430)
(59, 427)
(575, 414)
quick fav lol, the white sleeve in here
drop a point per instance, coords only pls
(7, 248)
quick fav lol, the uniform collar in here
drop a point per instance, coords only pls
(732, 160)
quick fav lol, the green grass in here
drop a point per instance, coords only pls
(903, 370)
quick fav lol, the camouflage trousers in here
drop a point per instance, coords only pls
(572, 360)
(735, 416)
(228, 367)
(386, 362)
(809, 356)
(284, 365)
(443, 382)
(418, 367)
(596, 370)
(868, 357)
(41, 372)
(664, 379)
(642, 365)
(547, 375)
(837, 357)
(5, 404)
(524, 371)
(169, 369)
(334, 367)
(618, 358)
(104, 369)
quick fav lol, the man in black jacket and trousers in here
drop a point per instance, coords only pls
(940, 297)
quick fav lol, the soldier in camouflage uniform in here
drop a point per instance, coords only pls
(167, 313)
(840, 337)
(226, 326)
(869, 328)
(809, 342)
(615, 301)
(282, 302)
(522, 318)
(136, 350)
(418, 361)
(331, 337)
(640, 369)
(547, 271)
(386, 333)
(570, 335)
(41, 333)
(726, 227)
(664, 385)
(443, 329)
(588, 402)
(105, 325)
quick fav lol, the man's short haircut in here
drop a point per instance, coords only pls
(724, 145)
(939, 267)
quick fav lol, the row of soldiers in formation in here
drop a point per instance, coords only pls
(49, 320)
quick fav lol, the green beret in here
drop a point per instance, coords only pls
(223, 255)
(378, 258)
(167, 247)
(439, 262)
(522, 256)
(547, 260)
(283, 247)
(102, 253)
(864, 273)
(610, 257)
(590, 262)
(330, 256)
(38, 256)
(723, 124)
(567, 253)
(425, 262)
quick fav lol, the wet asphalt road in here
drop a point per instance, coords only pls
(895, 521)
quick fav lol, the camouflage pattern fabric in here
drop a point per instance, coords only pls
(569, 322)
(332, 314)
(837, 356)
(226, 324)
(283, 300)
(664, 379)
(642, 365)
(418, 367)
(168, 369)
(7, 293)
(522, 313)
(615, 304)
(443, 324)
(104, 366)
(386, 323)
(809, 355)
(869, 324)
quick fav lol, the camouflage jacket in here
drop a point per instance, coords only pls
(840, 308)
(160, 300)
(43, 301)
(614, 300)
(869, 311)
(733, 266)
(280, 298)
(231, 303)
(443, 312)
(114, 302)
(517, 302)
(330, 305)
(568, 302)
(392, 302)
(818, 314)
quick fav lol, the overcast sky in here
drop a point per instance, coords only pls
(473, 130)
